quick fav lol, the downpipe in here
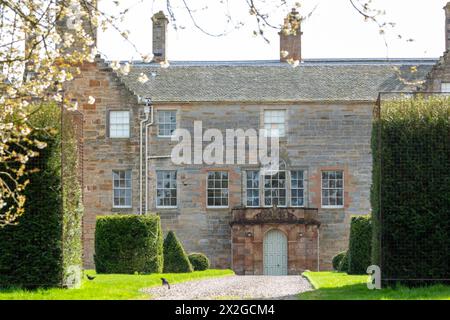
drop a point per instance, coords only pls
(146, 112)
(149, 105)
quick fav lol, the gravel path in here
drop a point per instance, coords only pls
(234, 287)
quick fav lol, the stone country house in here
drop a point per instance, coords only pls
(285, 223)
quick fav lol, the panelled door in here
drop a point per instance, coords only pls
(275, 253)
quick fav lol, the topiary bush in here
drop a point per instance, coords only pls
(343, 265)
(175, 258)
(43, 249)
(410, 194)
(199, 261)
(128, 244)
(337, 260)
(360, 245)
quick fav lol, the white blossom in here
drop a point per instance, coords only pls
(142, 78)
(91, 100)
(125, 69)
(164, 64)
(115, 65)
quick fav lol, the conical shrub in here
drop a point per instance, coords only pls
(175, 258)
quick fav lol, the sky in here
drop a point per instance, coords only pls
(334, 30)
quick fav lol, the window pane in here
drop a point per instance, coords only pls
(275, 189)
(166, 188)
(332, 188)
(252, 178)
(119, 124)
(122, 188)
(167, 122)
(274, 122)
(217, 190)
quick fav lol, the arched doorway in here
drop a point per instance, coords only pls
(275, 253)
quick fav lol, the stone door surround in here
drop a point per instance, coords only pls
(249, 225)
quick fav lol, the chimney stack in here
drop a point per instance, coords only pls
(291, 37)
(160, 23)
(447, 26)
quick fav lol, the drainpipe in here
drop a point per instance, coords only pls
(146, 112)
(149, 105)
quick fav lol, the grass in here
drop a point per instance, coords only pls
(109, 286)
(341, 286)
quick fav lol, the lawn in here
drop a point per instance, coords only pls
(109, 286)
(341, 286)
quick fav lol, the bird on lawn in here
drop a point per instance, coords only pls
(165, 282)
(90, 277)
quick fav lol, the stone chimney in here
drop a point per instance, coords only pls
(447, 26)
(291, 37)
(80, 15)
(160, 23)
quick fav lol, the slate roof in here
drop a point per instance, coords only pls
(273, 81)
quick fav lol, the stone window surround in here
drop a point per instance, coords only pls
(288, 187)
(165, 108)
(156, 189)
(245, 189)
(108, 111)
(273, 108)
(343, 190)
(228, 188)
(126, 207)
(270, 178)
(263, 124)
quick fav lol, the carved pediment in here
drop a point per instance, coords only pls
(275, 215)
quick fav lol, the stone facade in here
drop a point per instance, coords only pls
(438, 75)
(319, 137)
(101, 154)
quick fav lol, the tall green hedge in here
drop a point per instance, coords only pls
(128, 244)
(411, 190)
(44, 248)
(359, 249)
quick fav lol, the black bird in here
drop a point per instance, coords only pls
(90, 277)
(165, 282)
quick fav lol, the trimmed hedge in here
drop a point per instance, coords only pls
(199, 261)
(44, 248)
(343, 265)
(410, 194)
(360, 244)
(337, 260)
(128, 244)
(175, 258)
